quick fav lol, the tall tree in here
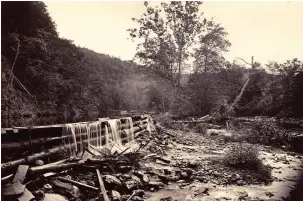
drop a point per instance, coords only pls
(208, 56)
(168, 32)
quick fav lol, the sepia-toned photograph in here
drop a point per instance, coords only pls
(152, 100)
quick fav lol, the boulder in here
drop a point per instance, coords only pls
(111, 180)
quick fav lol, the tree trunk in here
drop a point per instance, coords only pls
(179, 65)
(230, 109)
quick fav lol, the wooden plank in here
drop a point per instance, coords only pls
(102, 187)
(26, 196)
(20, 174)
(13, 189)
(78, 183)
(26, 144)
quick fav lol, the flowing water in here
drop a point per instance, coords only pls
(98, 134)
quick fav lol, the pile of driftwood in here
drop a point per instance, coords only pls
(30, 176)
(34, 182)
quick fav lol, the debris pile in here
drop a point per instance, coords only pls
(89, 173)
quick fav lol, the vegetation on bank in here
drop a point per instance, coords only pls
(44, 74)
(246, 157)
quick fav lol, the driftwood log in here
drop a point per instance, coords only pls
(28, 159)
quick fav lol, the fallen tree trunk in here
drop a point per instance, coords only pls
(103, 194)
(28, 159)
(160, 128)
(26, 144)
(230, 109)
(79, 184)
(53, 167)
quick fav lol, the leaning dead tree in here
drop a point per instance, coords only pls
(232, 106)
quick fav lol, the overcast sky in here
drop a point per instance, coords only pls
(269, 31)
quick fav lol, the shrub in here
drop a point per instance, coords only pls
(267, 133)
(247, 157)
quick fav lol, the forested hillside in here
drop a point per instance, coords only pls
(43, 74)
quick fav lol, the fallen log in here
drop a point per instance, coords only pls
(160, 128)
(76, 183)
(27, 144)
(103, 194)
(28, 159)
(52, 168)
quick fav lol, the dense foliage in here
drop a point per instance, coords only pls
(43, 74)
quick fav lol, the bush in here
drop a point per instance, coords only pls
(247, 157)
(268, 133)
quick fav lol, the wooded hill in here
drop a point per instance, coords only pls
(43, 74)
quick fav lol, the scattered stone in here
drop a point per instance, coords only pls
(155, 184)
(53, 196)
(237, 176)
(166, 199)
(75, 192)
(116, 195)
(111, 180)
(137, 198)
(47, 187)
(39, 162)
(243, 195)
(142, 176)
(240, 182)
(139, 192)
(202, 191)
(269, 194)
(130, 185)
(184, 175)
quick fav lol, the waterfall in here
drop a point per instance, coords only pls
(95, 134)
(115, 136)
(131, 131)
(98, 134)
(150, 124)
(70, 140)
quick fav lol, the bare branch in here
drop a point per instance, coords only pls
(16, 56)
(18, 81)
(243, 60)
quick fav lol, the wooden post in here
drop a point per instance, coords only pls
(103, 194)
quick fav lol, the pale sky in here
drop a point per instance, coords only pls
(269, 31)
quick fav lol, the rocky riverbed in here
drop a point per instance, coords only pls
(195, 159)
(170, 164)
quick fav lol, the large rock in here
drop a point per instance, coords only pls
(155, 184)
(111, 180)
(133, 183)
(144, 177)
